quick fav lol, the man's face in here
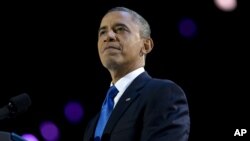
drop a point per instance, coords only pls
(119, 41)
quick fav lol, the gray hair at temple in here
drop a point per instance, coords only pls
(143, 24)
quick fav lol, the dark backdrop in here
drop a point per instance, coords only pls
(49, 50)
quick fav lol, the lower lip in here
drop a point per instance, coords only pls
(111, 49)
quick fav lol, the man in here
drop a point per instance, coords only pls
(143, 108)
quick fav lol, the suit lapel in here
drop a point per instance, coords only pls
(91, 129)
(127, 98)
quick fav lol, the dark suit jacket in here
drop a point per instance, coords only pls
(149, 110)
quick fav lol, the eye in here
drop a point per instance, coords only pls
(119, 29)
(102, 32)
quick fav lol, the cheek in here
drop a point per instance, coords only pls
(134, 48)
(99, 46)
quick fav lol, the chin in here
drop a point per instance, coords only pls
(111, 64)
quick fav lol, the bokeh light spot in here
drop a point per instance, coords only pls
(29, 137)
(49, 131)
(187, 28)
(226, 5)
(73, 111)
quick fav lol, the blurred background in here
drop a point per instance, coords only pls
(49, 51)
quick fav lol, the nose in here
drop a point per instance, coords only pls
(111, 36)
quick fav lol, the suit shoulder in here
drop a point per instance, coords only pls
(164, 82)
(166, 85)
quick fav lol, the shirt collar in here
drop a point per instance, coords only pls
(126, 80)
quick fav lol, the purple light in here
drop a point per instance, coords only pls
(73, 112)
(49, 131)
(29, 137)
(187, 28)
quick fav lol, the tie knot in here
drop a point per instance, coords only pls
(112, 92)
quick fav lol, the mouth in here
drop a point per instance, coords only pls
(111, 48)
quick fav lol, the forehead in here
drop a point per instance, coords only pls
(114, 17)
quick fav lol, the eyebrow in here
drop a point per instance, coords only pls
(115, 25)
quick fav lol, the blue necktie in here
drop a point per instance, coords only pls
(107, 108)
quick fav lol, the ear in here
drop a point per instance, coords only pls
(148, 45)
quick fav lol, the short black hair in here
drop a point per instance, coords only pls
(145, 30)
